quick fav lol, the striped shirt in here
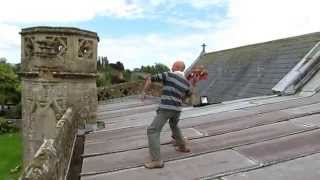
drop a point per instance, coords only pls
(175, 88)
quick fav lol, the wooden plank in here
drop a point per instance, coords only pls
(191, 168)
(130, 142)
(133, 158)
(303, 168)
(284, 148)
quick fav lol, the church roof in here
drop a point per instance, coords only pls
(252, 70)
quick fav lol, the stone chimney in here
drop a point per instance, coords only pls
(58, 71)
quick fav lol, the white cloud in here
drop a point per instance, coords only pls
(9, 42)
(192, 23)
(9, 36)
(252, 21)
(15, 12)
(149, 49)
(35, 11)
(31, 11)
(204, 3)
(247, 22)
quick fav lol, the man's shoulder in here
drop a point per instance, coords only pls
(179, 76)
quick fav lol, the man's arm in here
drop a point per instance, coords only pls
(146, 86)
(189, 97)
(149, 79)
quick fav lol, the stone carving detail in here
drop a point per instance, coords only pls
(53, 81)
(85, 109)
(29, 46)
(85, 49)
(47, 47)
(48, 103)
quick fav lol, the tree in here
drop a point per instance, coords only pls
(154, 69)
(10, 86)
(117, 66)
(114, 73)
(3, 60)
(102, 63)
(159, 68)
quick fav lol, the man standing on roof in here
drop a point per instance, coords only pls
(175, 89)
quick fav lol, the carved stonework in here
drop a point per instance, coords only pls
(44, 104)
(58, 72)
(29, 46)
(46, 100)
(85, 49)
(47, 47)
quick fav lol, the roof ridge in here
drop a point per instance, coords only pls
(265, 42)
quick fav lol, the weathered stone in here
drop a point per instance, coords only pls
(52, 159)
(58, 49)
(44, 161)
(58, 71)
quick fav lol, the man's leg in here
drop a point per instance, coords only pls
(153, 132)
(176, 133)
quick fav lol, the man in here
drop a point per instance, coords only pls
(175, 88)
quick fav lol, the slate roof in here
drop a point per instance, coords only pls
(263, 137)
(267, 137)
(252, 70)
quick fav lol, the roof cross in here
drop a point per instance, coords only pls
(203, 47)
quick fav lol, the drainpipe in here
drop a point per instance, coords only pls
(290, 83)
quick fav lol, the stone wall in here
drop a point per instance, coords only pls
(127, 89)
(51, 161)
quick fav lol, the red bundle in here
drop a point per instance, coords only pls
(197, 74)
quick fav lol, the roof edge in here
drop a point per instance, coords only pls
(261, 43)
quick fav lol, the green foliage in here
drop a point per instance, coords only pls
(107, 72)
(127, 75)
(102, 62)
(104, 76)
(11, 156)
(154, 69)
(5, 127)
(3, 60)
(10, 86)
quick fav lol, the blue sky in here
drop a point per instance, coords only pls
(143, 32)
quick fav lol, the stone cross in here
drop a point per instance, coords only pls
(203, 47)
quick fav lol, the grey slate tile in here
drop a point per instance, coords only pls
(230, 69)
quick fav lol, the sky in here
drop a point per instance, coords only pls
(145, 32)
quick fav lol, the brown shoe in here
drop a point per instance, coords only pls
(183, 149)
(174, 142)
(153, 164)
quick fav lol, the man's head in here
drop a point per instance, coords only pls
(178, 66)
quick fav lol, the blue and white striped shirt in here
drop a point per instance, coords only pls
(175, 88)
